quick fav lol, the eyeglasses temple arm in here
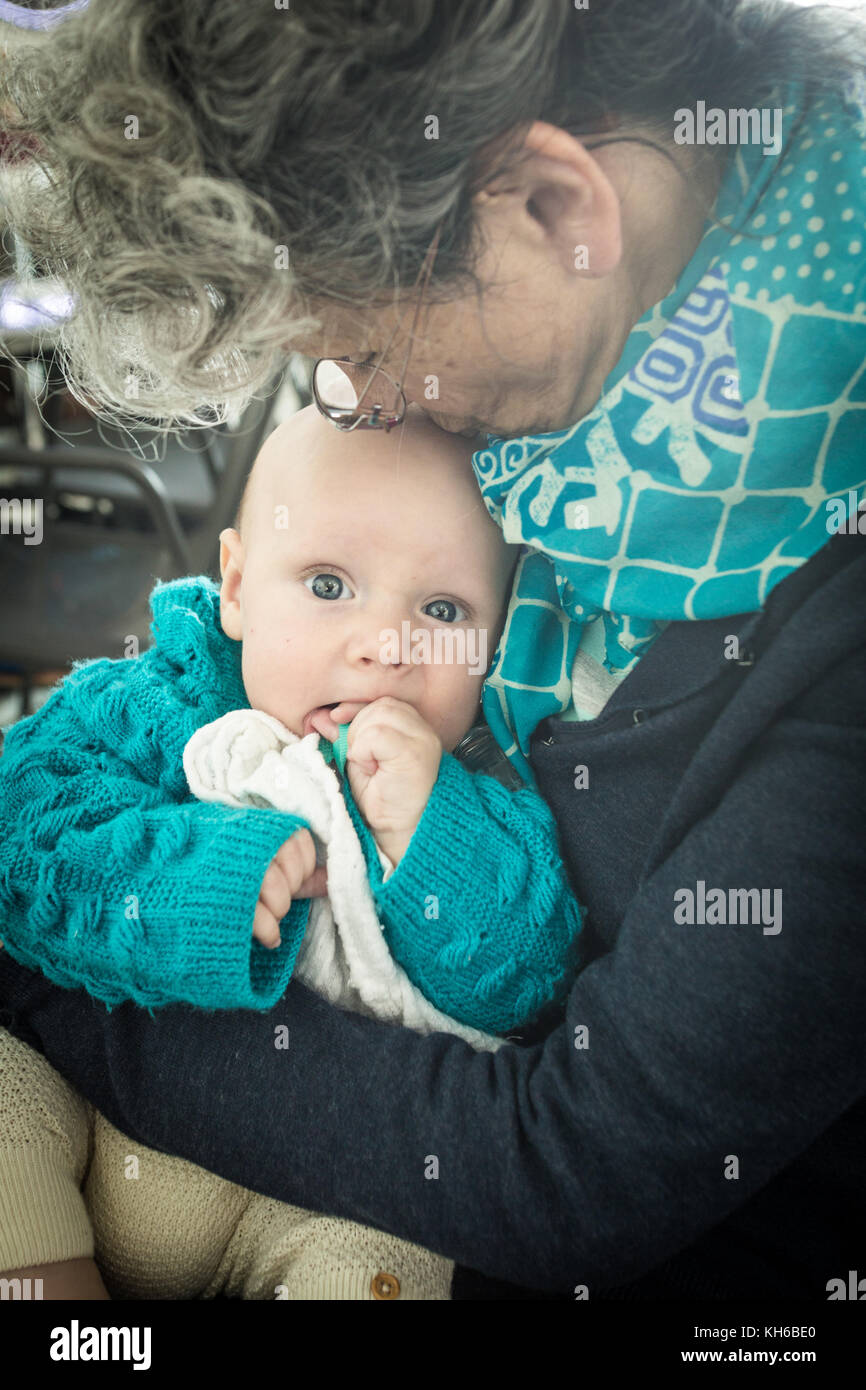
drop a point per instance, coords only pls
(424, 275)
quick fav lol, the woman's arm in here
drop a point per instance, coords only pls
(557, 1164)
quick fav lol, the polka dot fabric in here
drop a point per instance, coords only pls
(701, 478)
(813, 227)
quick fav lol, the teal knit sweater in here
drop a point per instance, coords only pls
(114, 877)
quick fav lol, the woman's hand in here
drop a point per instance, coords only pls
(292, 873)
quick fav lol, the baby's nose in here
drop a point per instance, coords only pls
(382, 641)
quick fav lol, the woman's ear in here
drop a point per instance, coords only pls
(231, 569)
(559, 200)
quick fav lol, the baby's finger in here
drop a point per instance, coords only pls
(376, 742)
(296, 858)
(266, 928)
(356, 712)
(316, 886)
(386, 710)
(275, 893)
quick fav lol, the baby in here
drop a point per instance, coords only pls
(351, 550)
(355, 555)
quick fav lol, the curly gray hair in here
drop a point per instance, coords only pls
(206, 170)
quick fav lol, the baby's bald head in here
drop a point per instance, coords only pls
(307, 455)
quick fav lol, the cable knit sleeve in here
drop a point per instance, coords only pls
(479, 912)
(112, 876)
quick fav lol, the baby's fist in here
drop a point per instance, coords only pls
(393, 758)
(292, 873)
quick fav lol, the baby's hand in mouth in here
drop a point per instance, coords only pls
(327, 720)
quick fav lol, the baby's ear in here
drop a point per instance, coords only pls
(231, 569)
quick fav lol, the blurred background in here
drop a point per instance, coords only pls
(91, 516)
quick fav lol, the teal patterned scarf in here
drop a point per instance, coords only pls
(702, 477)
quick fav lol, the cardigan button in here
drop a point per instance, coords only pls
(547, 742)
(383, 1286)
(639, 715)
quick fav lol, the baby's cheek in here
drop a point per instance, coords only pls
(262, 681)
(463, 708)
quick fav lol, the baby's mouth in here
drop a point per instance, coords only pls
(326, 719)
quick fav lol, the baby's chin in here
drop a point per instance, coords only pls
(290, 720)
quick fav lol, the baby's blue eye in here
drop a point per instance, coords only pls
(325, 585)
(447, 604)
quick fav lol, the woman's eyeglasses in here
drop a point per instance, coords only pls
(360, 395)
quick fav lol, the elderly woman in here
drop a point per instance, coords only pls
(626, 242)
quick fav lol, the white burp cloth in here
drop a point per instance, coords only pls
(249, 759)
